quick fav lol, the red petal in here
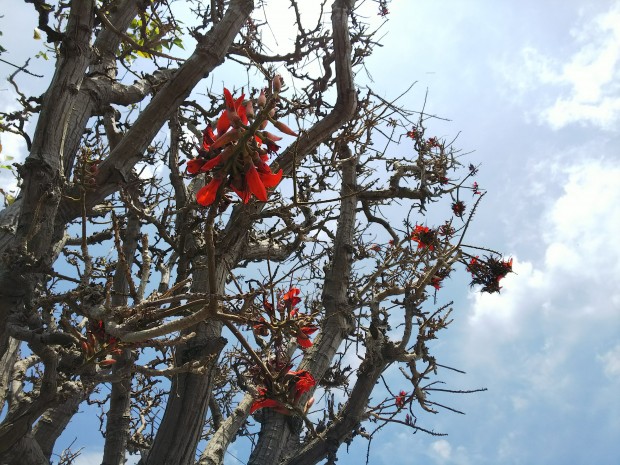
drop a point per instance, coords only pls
(206, 195)
(223, 123)
(244, 194)
(193, 166)
(304, 343)
(263, 403)
(228, 99)
(239, 101)
(208, 166)
(208, 137)
(225, 139)
(292, 293)
(255, 184)
(307, 330)
(243, 115)
(270, 180)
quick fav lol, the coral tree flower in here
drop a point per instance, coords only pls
(235, 158)
(458, 208)
(303, 336)
(299, 383)
(304, 382)
(292, 296)
(424, 236)
(489, 273)
(400, 399)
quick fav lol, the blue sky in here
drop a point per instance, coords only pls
(533, 88)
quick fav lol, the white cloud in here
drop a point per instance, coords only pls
(440, 451)
(581, 89)
(611, 362)
(562, 307)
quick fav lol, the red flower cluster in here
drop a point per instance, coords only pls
(414, 133)
(234, 154)
(458, 208)
(297, 383)
(436, 282)
(289, 321)
(98, 344)
(400, 399)
(433, 142)
(489, 273)
(424, 236)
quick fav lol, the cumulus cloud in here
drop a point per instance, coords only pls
(610, 361)
(561, 297)
(580, 89)
(440, 451)
(547, 347)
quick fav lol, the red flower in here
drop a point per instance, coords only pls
(208, 138)
(436, 282)
(424, 236)
(400, 399)
(303, 336)
(414, 133)
(305, 382)
(433, 142)
(254, 183)
(206, 195)
(302, 382)
(263, 401)
(291, 296)
(218, 148)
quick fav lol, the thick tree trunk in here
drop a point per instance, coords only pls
(276, 428)
(119, 415)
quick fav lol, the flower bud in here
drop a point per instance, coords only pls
(262, 100)
(277, 83)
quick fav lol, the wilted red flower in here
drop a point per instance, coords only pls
(424, 236)
(261, 328)
(489, 273)
(446, 230)
(458, 208)
(400, 399)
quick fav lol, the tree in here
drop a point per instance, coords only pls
(224, 294)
